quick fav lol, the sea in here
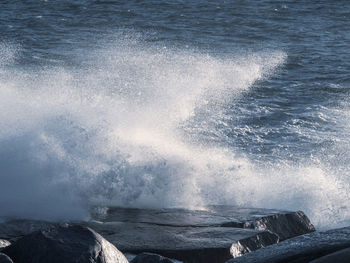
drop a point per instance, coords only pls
(160, 104)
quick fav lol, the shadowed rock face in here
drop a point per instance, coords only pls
(341, 256)
(285, 225)
(5, 259)
(213, 235)
(150, 258)
(15, 229)
(303, 249)
(64, 244)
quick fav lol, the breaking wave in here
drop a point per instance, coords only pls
(121, 129)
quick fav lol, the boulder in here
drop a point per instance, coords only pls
(151, 258)
(5, 259)
(302, 249)
(285, 225)
(64, 243)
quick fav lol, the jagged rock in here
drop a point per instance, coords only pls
(151, 258)
(64, 243)
(5, 259)
(188, 244)
(285, 224)
(341, 256)
(301, 249)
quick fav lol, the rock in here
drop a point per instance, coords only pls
(129, 256)
(150, 258)
(215, 234)
(5, 259)
(301, 249)
(188, 244)
(64, 243)
(4, 243)
(341, 256)
(14, 229)
(285, 224)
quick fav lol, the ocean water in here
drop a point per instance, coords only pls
(174, 104)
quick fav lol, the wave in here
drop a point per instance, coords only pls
(121, 129)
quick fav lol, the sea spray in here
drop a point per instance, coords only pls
(110, 133)
(129, 126)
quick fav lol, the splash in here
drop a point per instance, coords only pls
(116, 130)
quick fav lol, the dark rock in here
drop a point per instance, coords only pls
(300, 249)
(5, 259)
(285, 224)
(64, 244)
(341, 256)
(129, 256)
(4, 243)
(188, 244)
(151, 258)
(215, 234)
(14, 229)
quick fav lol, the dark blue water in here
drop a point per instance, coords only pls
(174, 103)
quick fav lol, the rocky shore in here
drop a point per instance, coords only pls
(215, 235)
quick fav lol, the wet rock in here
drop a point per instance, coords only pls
(64, 243)
(151, 258)
(188, 244)
(5, 259)
(301, 249)
(341, 256)
(285, 224)
(215, 234)
(4, 243)
(129, 256)
(15, 229)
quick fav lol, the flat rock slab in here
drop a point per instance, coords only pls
(211, 216)
(285, 224)
(215, 234)
(301, 249)
(188, 244)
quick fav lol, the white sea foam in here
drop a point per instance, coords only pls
(111, 132)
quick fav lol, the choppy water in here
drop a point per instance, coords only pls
(174, 104)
